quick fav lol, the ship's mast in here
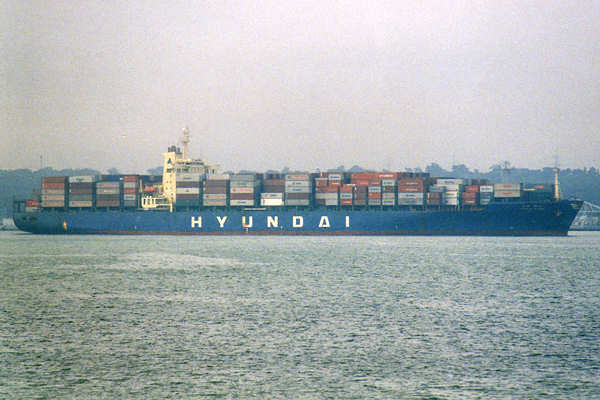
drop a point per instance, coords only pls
(556, 170)
(185, 141)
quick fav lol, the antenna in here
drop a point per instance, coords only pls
(185, 140)
(504, 171)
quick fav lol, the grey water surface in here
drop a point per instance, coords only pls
(140, 317)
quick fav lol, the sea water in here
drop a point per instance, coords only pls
(142, 317)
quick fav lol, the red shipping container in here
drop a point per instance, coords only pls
(360, 182)
(52, 185)
(131, 178)
(374, 195)
(242, 196)
(472, 188)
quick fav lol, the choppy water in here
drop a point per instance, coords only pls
(299, 317)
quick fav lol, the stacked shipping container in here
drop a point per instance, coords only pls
(507, 190)
(451, 190)
(273, 190)
(486, 194)
(130, 191)
(108, 191)
(188, 188)
(243, 190)
(411, 192)
(216, 187)
(346, 194)
(81, 191)
(377, 189)
(54, 191)
(298, 189)
(388, 192)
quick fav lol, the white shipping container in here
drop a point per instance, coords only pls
(331, 202)
(437, 189)
(374, 202)
(297, 177)
(451, 195)
(346, 195)
(452, 188)
(241, 202)
(130, 185)
(388, 195)
(82, 179)
(486, 188)
(187, 190)
(388, 182)
(450, 202)
(297, 184)
(129, 197)
(410, 202)
(415, 195)
(243, 177)
(217, 177)
(271, 202)
(271, 195)
(326, 196)
(294, 189)
(388, 202)
(243, 184)
(188, 177)
(334, 177)
(374, 189)
(450, 181)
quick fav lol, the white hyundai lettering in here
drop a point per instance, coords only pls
(347, 221)
(247, 224)
(222, 220)
(297, 221)
(324, 222)
(272, 222)
(197, 222)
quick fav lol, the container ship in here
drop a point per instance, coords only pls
(192, 197)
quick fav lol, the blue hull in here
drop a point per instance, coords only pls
(517, 218)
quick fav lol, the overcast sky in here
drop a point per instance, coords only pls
(305, 84)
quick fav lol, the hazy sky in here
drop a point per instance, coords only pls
(305, 84)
